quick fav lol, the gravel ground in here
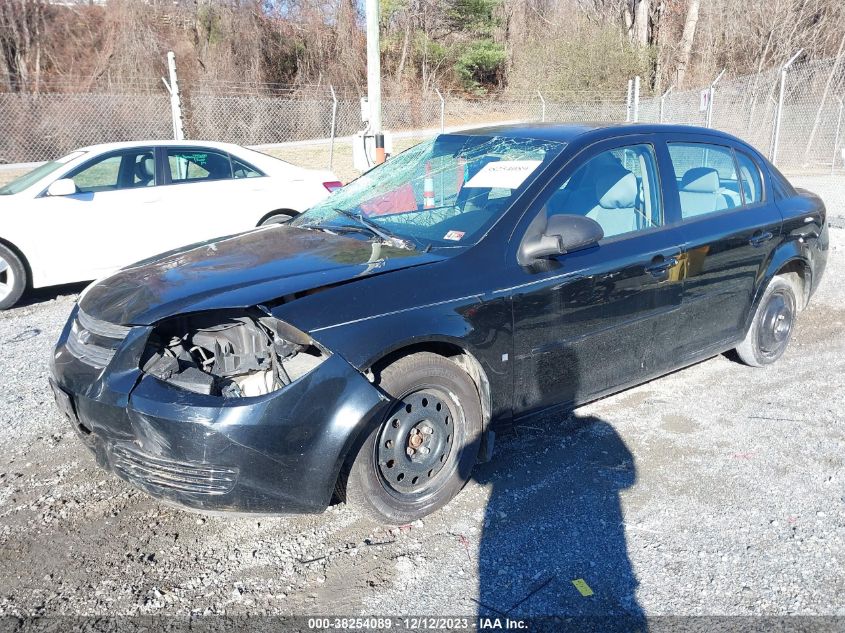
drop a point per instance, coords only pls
(719, 489)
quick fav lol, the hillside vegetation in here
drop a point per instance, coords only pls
(473, 46)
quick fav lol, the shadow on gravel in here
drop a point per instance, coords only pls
(554, 517)
(553, 542)
(40, 295)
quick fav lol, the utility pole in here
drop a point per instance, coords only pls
(374, 78)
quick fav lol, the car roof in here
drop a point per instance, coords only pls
(568, 132)
(107, 147)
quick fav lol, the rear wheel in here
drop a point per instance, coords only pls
(278, 217)
(421, 454)
(12, 278)
(773, 323)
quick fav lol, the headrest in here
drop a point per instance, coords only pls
(145, 167)
(617, 189)
(700, 180)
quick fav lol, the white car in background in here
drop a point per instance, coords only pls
(102, 207)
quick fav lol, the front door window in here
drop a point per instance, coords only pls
(617, 188)
(124, 170)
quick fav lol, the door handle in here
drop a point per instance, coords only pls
(759, 239)
(659, 267)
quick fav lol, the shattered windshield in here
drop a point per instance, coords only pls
(443, 192)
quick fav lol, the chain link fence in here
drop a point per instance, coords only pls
(809, 136)
(37, 127)
(40, 126)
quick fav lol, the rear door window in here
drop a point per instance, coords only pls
(197, 164)
(706, 176)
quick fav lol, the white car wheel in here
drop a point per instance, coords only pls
(12, 278)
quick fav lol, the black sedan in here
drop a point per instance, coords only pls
(368, 347)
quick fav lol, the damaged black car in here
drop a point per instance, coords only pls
(367, 349)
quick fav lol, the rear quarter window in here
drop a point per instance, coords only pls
(750, 179)
(781, 187)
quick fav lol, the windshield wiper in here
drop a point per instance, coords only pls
(375, 229)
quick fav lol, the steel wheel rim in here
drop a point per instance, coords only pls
(776, 323)
(416, 442)
(7, 279)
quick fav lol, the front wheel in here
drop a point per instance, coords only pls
(421, 454)
(12, 278)
(772, 325)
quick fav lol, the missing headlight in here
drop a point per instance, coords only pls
(233, 356)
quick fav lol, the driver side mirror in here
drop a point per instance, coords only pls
(62, 187)
(562, 234)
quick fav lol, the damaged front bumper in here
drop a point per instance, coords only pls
(275, 453)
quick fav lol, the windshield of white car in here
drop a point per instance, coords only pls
(31, 177)
(444, 192)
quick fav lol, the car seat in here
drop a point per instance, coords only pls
(617, 193)
(145, 170)
(218, 167)
(578, 195)
(701, 192)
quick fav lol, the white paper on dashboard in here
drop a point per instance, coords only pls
(504, 174)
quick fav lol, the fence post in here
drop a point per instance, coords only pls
(628, 101)
(635, 115)
(711, 96)
(543, 107)
(334, 123)
(779, 111)
(442, 111)
(662, 102)
(836, 138)
(175, 100)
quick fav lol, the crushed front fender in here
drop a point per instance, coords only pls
(276, 453)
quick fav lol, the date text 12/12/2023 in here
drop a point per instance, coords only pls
(428, 623)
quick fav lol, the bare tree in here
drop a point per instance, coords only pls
(642, 15)
(21, 24)
(690, 23)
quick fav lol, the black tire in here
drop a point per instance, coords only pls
(279, 217)
(12, 278)
(774, 320)
(436, 407)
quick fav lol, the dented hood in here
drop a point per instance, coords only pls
(239, 271)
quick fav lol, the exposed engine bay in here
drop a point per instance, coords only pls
(233, 356)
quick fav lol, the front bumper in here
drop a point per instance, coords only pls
(278, 453)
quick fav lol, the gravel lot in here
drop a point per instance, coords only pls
(719, 489)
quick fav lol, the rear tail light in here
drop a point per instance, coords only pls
(332, 185)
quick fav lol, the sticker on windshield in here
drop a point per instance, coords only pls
(454, 236)
(503, 174)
